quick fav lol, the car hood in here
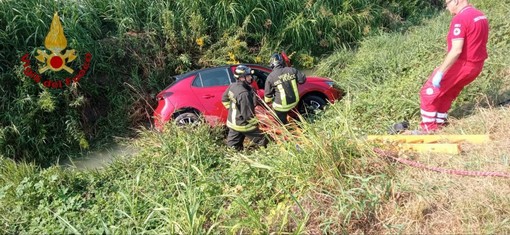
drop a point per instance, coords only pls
(317, 79)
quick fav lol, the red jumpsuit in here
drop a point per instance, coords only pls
(472, 26)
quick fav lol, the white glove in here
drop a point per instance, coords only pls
(436, 80)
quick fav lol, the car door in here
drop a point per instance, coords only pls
(208, 87)
(259, 80)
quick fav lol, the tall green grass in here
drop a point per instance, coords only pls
(188, 182)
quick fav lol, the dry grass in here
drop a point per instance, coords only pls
(427, 202)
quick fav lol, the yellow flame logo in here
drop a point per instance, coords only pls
(56, 42)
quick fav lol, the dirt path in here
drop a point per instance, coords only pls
(99, 159)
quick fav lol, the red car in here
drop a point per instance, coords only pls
(198, 93)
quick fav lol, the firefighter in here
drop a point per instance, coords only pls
(281, 87)
(467, 51)
(240, 99)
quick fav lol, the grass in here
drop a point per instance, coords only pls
(189, 183)
(184, 184)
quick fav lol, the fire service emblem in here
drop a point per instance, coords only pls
(55, 57)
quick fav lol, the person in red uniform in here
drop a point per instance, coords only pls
(467, 51)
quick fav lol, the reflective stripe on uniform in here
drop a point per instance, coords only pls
(226, 104)
(283, 98)
(295, 89)
(425, 119)
(284, 106)
(252, 123)
(250, 127)
(428, 114)
(442, 115)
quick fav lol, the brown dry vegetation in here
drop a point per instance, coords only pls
(427, 202)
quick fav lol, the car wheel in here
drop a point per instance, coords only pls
(187, 119)
(312, 104)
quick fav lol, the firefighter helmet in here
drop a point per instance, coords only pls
(242, 71)
(276, 60)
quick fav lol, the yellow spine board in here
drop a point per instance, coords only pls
(432, 148)
(474, 139)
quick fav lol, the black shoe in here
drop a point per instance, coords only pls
(398, 128)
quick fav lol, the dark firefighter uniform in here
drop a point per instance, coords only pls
(240, 100)
(281, 88)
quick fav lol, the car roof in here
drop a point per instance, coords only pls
(185, 75)
(180, 77)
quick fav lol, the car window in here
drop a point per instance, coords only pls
(213, 77)
(260, 76)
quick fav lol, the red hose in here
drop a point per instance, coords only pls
(392, 155)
